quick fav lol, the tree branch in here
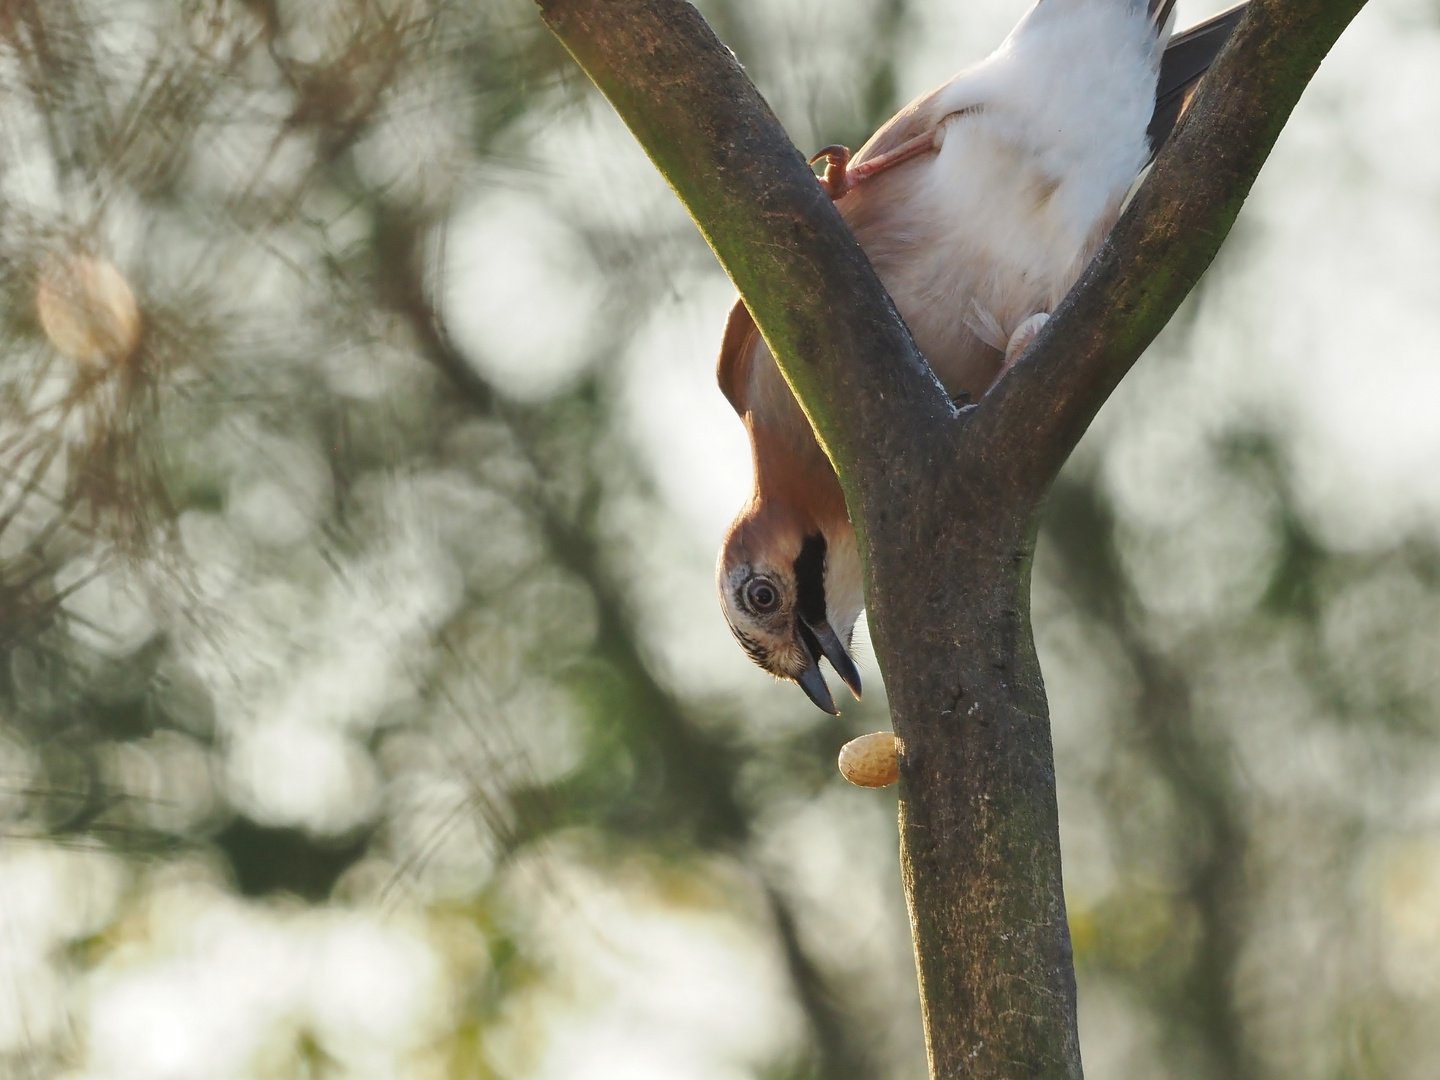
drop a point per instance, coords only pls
(1166, 239)
(823, 311)
(946, 504)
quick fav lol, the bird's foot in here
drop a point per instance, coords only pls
(1022, 337)
(836, 180)
(840, 178)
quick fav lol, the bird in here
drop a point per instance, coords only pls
(978, 204)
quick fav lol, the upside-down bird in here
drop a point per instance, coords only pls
(979, 204)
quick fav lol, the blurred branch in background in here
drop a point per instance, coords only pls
(363, 705)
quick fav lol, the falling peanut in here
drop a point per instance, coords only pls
(88, 310)
(871, 760)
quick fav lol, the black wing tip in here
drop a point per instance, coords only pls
(1188, 56)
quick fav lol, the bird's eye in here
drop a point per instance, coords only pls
(761, 596)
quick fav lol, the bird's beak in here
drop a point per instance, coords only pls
(813, 683)
(839, 659)
(820, 640)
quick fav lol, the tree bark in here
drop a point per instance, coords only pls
(945, 502)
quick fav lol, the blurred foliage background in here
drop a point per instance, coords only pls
(365, 709)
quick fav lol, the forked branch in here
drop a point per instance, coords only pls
(945, 504)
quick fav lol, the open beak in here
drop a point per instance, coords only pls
(839, 659)
(813, 683)
(820, 641)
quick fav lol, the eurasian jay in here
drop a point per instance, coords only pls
(979, 204)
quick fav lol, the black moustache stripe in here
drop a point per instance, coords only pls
(810, 579)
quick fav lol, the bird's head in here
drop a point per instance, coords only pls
(790, 590)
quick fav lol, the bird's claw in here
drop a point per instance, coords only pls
(840, 178)
(836, 179)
